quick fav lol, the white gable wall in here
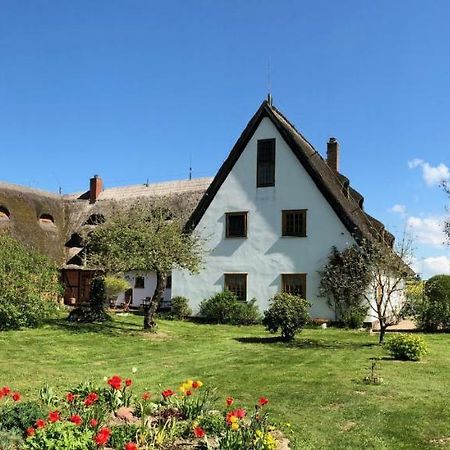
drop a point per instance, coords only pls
(264, 255)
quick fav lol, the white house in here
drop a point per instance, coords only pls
(271, 216)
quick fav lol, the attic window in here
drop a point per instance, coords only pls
(95, 219)
(46, 219)
(4, 214)
(265, 171)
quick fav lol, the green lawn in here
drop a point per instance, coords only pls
(315, 383)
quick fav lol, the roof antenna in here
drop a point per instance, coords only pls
(269, 84)
(190, 167)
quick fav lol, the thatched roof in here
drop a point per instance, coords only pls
(53, 224)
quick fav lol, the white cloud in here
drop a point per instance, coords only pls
(435, 175)
(432, 265)
(432, 175)
(398, 209)
(427, 230)
(415, 163)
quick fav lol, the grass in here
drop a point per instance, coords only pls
(314, 383)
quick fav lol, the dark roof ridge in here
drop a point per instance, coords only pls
(293, 126)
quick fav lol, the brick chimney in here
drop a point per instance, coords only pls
(95, 187)
(333, 154)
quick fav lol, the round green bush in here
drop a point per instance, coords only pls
(286, 312)
(179, 307)
(224, 307)
(407, 347)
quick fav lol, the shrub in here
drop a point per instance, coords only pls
(11, 440)
(60, 436)
(354, 317)
(344, 279)
(95, 312)
(406, 347)
(29, 285)
(432, 310)
(246, 313)
(218, 308)
(286, 312)
(224, 307)
(20, 415)
(180, 308)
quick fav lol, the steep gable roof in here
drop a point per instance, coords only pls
(346, 203)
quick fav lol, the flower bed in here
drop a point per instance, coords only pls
(112, 417)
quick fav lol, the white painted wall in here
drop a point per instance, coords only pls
(265, 254)
(148, 290)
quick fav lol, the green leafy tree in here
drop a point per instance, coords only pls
(431, 309)
(29, 285)
(344, 280)
(146, 236)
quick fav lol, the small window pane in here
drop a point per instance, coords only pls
(236, 224)
(169, 282)
(294, 283)
(139, 283)
(236, 283)
(294, 222)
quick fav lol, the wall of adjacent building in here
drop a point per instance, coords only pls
(139, 294)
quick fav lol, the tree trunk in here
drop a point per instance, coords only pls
(382, 333)
(150, 310)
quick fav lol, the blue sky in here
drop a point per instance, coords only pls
(132, 90)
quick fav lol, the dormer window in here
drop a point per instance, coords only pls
(265, 172)
(95, 219)
(4, 214)
(46, 220)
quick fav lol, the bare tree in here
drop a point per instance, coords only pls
(390, 271)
